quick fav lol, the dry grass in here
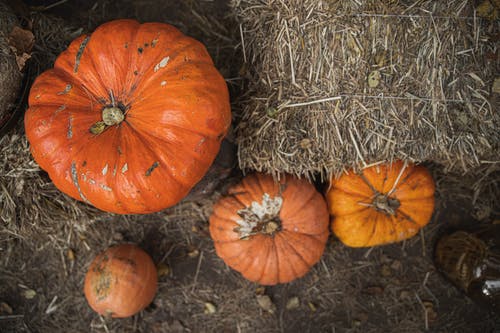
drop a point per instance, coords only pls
(340, 84)
(47, 240)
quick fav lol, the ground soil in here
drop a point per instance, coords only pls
(393, 288)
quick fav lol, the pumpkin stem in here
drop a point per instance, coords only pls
(386, 204)
(260, 218)
(112, 116)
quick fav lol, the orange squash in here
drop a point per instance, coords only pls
(130, 118)
(382, 204)
(121, 281)
(271, 232)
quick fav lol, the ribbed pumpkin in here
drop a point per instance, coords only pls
(271, 232)
(130, 118)
(382, 204)
(121, 281)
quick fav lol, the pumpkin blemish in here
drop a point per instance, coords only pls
(102, 285)
(79, 54)
(66, 90)
(260, 217)
(151, 168)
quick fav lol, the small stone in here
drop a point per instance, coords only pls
(265, 303)
(210, 308)
(293, 303)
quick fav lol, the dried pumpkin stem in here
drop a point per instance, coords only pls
(112, 116)
(386, 204)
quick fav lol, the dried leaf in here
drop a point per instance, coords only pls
(70, 254)
(396, 265)
(21, 60)
(405, 294)
(210, 308)
(305, 143)
(312, 307)
(5, 308)
(260, 290)
(489, 9)
(193, 253)
(373, 290)
(163, 270)
(293, 303)
(385, 270)
(265, 303)
(374, 79)
(496, 85)
(29, 293)
(21, 40)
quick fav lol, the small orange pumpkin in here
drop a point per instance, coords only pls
(130, 118)
(121, 281)
(271, 232)
(382, 204)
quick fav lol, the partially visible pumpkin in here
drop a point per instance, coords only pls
(121, 281)
(130, 118)
(382, 204)
(271, 232)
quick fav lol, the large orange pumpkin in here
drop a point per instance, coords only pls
(268, 231)
(121, 281)
(381, 204)
(130, 118)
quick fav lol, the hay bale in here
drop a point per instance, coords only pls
(340, 84)
(10, 76)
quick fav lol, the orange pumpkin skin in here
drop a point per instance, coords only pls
(173, 111)
(121, 281)
(274, 247)
(383, 204)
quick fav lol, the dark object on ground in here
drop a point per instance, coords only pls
(470, 259)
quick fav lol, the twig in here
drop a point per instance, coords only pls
(328, 99)
(197, 271)
(426, 317)
(8, 317)
(55, 4)
(243, 44)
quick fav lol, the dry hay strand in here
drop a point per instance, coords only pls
(52, 36)
(478, 190)
(29, 201)
(341, 84)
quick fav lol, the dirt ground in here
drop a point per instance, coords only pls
(43, 260)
